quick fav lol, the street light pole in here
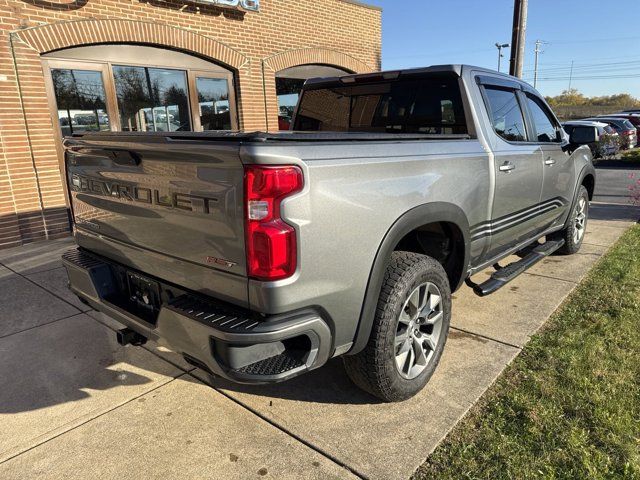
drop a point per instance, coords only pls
(500, 46)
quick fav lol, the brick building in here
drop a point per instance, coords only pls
(69, 66)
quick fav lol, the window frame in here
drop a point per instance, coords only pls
(106, 67)
(528, 95)
(155, 67)
(60, 61)
(192, 77)
(50, 64)
(489, 109)
(521, 90)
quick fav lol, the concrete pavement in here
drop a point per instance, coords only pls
(75, 404)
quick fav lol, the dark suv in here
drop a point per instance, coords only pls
(624, 127)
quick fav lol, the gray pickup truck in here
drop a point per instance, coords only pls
(260, 256)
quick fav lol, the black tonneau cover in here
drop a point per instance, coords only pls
(251, 137)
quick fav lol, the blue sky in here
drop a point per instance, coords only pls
(601, 38)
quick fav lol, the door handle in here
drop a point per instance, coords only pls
(550, 161)
(507, 167)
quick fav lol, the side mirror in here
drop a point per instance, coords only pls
(583, 136)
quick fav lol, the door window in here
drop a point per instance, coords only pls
(152, 99)
(80, 100)
(213, 103)
(545, 126)
(506, 114)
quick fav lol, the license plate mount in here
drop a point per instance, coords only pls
(144, 296)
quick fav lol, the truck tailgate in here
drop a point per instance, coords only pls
(171, 208)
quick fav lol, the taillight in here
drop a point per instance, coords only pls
(271, 243)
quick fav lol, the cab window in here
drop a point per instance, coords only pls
(429, 105)
(506, 114)
(546, 130)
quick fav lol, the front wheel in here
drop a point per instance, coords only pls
(573, 235)
(409, 331)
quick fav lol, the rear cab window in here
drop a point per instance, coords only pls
(430, 104)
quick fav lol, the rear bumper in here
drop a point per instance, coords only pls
(229, 342)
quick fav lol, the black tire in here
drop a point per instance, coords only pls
(572, 240)
(374, 369)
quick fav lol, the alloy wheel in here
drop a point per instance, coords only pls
(581, 220)
(419, 330)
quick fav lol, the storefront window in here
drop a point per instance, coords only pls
(135, 88)
(213, 103)
(152, 99)
(80, 99)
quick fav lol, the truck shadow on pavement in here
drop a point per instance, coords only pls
(327, 384)
(614, 212)
(64, 361)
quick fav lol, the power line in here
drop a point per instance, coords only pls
(595, 77)
(593, 66)
(596, 40)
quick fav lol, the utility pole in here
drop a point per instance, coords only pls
(535, 68)
(500, 46)
(571, 75)
(537, 51)
(518, 37)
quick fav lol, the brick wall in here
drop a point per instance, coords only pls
(285, 33)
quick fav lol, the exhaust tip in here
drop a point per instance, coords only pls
(126, 336)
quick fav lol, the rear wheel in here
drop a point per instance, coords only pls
(573, 235)
(409, 331)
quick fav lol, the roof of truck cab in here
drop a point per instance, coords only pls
(455, 69)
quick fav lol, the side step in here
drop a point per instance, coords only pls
(504, 275)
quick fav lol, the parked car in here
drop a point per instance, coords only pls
(260, 256)
(624, 127)
(634, 119)
(604, 143)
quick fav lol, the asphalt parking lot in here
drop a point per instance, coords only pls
(74, 404)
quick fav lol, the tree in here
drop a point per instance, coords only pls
(573, 98)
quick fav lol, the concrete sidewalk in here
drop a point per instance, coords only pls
(75, 404)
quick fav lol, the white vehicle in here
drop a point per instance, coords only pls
(607, 139)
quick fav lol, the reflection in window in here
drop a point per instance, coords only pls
(429, 106)
(288, 92)
(545, 126)
(80, 100)
(213, 102)
(506, 114)
(152, 99)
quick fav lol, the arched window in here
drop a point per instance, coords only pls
(138, 88)
(289, 84)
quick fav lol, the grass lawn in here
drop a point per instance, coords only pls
(569, 405)
(631, 156)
